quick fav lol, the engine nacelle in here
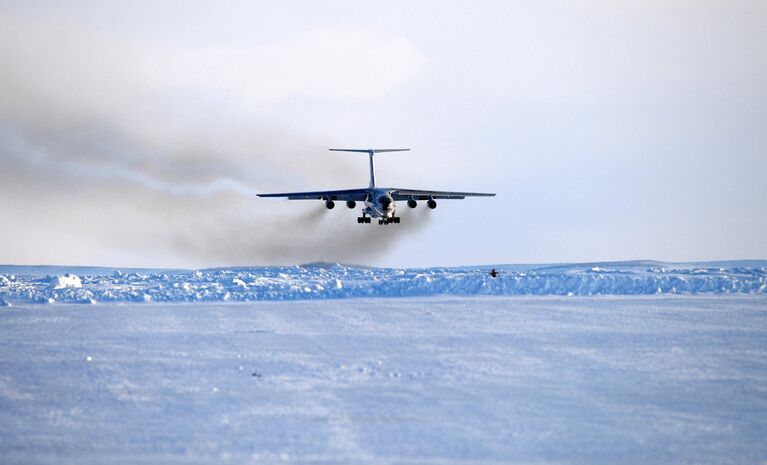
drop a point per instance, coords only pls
(330, 204)
(432, 204)
(412, 203)
(351, 203)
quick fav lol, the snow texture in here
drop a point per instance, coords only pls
(317, 281)
(425, 380)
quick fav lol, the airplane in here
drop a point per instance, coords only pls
(379, 202)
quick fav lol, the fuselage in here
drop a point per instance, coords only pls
(379, 204)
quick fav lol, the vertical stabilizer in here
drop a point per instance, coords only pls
(372, 171)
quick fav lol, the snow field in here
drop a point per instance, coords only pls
(463, 380)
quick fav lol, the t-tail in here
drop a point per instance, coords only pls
(370, 153)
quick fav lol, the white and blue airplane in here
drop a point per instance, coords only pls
(379, 202)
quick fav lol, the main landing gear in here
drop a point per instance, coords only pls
(382, 221)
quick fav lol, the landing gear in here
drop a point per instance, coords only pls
(382, 221)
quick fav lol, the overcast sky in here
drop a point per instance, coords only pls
(136, 133)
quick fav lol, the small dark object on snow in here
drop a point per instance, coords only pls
(256, 374)
(494, 273)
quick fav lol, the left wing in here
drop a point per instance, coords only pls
(347, 194)
(407, 194)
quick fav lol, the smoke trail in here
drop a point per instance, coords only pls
(19, 151)
(310, 234)
(213, 221)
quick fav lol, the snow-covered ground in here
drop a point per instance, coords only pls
(91, 285)
(414, 380)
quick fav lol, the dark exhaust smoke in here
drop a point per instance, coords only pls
(178, 213)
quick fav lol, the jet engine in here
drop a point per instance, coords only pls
(330, 204)
(432, 204)
(351, 203)
(412, 203)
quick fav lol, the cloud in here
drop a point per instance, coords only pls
(72, 64)
(125, 152)
(356, 64)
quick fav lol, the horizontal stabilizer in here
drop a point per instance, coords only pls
(369, 150)
(370, 153)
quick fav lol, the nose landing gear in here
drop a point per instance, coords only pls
(363, 220)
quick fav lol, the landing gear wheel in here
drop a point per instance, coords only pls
(396, 220)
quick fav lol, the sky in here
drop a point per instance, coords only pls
(138, 133)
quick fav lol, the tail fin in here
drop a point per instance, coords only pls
(370, 153)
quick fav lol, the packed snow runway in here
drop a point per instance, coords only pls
(445, 379)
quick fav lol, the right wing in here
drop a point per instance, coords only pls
(416, 194)
(347, 194)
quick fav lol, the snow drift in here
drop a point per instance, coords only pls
(62, 282)
(317, 281)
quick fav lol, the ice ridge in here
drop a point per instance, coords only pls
(317, 281)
